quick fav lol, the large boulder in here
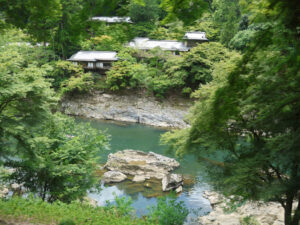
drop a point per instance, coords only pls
(171, 182)
(113, 177)
(132, 162)
(260, 212)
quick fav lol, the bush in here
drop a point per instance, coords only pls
(38, 212)
(67, 222)
(168, 212)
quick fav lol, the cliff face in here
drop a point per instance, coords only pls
(128, 108)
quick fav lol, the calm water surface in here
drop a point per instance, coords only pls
(146, 138)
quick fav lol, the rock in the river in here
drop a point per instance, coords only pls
(113, 177)
(179, 189)
(171, 182)
(134, 163)
(262, 213)
(139, 178)
(3, 191)
(129, 108)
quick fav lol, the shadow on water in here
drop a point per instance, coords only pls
(144, 195)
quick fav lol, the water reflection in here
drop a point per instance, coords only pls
(146, 138)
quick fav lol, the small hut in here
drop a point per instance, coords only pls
(191, 39)
(94, 60)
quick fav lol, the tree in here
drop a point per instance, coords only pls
(60, 160)
(53, 156)
(227, 17)
(25, 95)
(148, 11)
(187, 10)
(250, 118)
(35, 16)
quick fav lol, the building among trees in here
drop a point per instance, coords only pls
(191, 39)
(94, 60)
(113, 19)
(102, 60)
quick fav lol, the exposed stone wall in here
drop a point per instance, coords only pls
(128, 108)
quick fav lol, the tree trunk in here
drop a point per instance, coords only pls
(296, 217)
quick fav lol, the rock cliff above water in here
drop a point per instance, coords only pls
(128, 108)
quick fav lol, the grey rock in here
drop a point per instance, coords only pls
(132, 162)
(128, 108)
(179, 189)
(139, 178)
(171, 182)
(264, 213)
(113, 177)
(3, 191)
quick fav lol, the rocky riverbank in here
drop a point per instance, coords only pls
(258, 213)
(128, 108)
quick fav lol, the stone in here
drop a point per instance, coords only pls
(132, 162)
(171, 182)
(3, 191)
(113, 177)
(264, 213)
(139, 178)
(90, 201)
(128, 108)
(179, 189)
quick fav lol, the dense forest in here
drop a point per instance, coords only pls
(244, 82)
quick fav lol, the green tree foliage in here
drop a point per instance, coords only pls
(25, 95)
(53, 156)
(207, 24)
(251, 118)
(187, 10)
(148, 11)
(71, 27)
(68, 78)
(60, 160)
(227, 17)
(35, 16)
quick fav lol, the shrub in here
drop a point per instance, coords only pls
(168, 211)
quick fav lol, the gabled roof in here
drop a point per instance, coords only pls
(93, 56)
(113, 19)
(146, 44)
(195, 36)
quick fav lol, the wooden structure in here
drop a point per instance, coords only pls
(94, 60)
(191, 39)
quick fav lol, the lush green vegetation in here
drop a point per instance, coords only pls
(38, 211)
(167, 212)
(245, 83)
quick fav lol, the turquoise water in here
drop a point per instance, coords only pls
(146, 138)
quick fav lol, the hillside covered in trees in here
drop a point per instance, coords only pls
(244, 82)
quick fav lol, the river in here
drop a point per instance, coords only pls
(146, 138)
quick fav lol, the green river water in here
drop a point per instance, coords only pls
(146, 138)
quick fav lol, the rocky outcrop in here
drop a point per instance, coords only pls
(113, 177)
(172, 182)
(139, 178)
(128, 108)
(259, 212)
(134, 163)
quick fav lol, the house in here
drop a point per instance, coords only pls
(146, 44)
(94, 60)
(191, 39)
(113, 19)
